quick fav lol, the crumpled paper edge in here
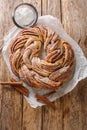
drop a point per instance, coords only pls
(80, 67)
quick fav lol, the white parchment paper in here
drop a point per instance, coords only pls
(80, 67)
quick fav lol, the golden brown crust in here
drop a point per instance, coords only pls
(48, 73)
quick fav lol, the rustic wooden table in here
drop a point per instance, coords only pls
(71, 112)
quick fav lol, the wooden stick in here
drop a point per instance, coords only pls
(11, 83)
(45, 100)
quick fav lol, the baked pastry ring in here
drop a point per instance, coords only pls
(26, 62)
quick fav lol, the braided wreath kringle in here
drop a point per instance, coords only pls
(48, 73)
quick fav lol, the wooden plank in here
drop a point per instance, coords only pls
(10, 101)
(74, 20)
(51, 7)
(32, 118)
(75, 108)
(0, 104)
(52, 119)
(1, 42)
(75, 105)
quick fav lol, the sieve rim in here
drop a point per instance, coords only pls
(28, 25)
